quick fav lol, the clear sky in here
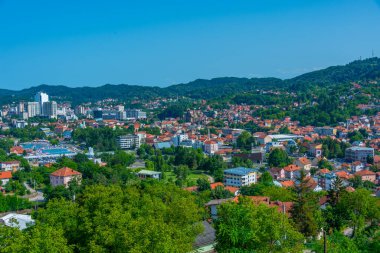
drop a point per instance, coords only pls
(91, 43)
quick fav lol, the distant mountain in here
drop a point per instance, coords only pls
(361, 70)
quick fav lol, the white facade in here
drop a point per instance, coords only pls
(41, 98)
(239, 177)
(33, 109)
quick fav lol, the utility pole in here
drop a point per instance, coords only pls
(324, 242)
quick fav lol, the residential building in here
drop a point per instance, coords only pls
(366, 175)
(130, 141)
(359, 154)
(143, 174)
(41, 98)
(292, 171)
(98, 113)
(277, 173)
(63, 176)
(240, 176)
(33, 109)
(325, 131)
(5, 176)
(210, 147)
(10, 166)
(135, 114)
(179, 138)
(50, 109)
(15, 220)
(303, 163)
(315, 150)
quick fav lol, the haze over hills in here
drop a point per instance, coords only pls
(361, 70)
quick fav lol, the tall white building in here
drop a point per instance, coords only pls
(41, 98)
(33, 109)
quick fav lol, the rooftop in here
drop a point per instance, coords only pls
(65, 172)
(241, 171)
(148, 172)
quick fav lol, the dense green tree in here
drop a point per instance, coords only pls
(39, 238)
(241, 162)
(359, 207)
(336, 243)
(214, 165)
(245, 141)
(266, 178)
(150, 217)
(246, 227)
(181, 173)
(203, 184)
(305, 211)
(278, 158)
(220, 193)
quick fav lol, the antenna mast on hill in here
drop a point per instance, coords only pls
(373, 54)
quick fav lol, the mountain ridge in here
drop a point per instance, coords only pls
(360, 70)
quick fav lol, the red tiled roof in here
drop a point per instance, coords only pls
(65, 172)
(191, 188)
(5, 175)
(214, 185)
(324, 171)
(231, 189)
(291, 167)
(365, 173)
(288, 183)
(304, 160)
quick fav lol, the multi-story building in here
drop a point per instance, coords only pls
(179, 138)
(63, 176)
(50, 109)
(98, 113)
(41, 98)
(240, 176)
(359, 154)
(10, 166)
(21, 108)
(210, 147)
(81, 110)
(325, 131)
(33, 109)
(130, 141)
(135, 114)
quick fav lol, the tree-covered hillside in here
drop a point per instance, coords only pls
(357, 71)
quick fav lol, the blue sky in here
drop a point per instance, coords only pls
(91, 43)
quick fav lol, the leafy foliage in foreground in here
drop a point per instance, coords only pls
(147, 217)
(246, 227)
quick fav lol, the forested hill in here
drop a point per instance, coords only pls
(362, 70)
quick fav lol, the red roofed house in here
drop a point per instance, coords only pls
(287, 183)
(214, 185)
(303, 163)
(63, 176)
(5, 176)
(292, 171)
(367, 175)
(234, 190)
(210, 147)
(18, 150)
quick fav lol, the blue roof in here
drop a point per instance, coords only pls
(241, 171)
(161, 145)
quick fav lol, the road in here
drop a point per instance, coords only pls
(35, 195)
